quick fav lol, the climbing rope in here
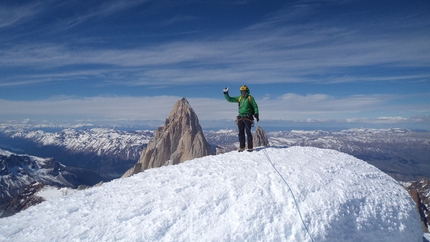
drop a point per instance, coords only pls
(291, 191)
(289, 188)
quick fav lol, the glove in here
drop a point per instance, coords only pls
(225, 90)
(257, 117)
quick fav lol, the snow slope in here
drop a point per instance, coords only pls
(232, 197)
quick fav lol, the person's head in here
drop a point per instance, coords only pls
(244, 90)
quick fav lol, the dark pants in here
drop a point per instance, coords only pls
(245, 124)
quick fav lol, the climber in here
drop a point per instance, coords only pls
(248, 109)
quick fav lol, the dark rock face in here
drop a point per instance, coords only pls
(420, 193)
(180, 139)
(24, 200)
(23, 175)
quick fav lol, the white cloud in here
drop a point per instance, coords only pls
(380, 120)
(101, 107)
(318, 104)
(289, 110)
(287, 107)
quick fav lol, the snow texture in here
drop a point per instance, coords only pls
(232, 197)
(427, 236)
(50, 192)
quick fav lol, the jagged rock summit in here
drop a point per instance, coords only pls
(260, 137)
(180, 139)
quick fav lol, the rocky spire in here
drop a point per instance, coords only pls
(260, 138)
(180, 139)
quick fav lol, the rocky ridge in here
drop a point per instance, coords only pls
(22, 175)
(420, 193)
(23, 200)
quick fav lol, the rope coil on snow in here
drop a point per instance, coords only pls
(291, 191)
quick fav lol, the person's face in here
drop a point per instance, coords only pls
(243, 93)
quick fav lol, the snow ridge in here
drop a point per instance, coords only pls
(232, 197)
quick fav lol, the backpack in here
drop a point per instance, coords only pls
(249, 100)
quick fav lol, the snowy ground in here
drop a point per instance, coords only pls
(51, 193)
(309, 194)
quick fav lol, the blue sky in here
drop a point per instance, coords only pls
(332, 63)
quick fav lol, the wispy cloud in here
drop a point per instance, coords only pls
(11, 15)
(267, 59)
(103, 10)
(279, 54)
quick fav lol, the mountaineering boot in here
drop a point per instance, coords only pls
(241, 149)
(250, 150)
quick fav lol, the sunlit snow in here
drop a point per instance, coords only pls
(308, 194)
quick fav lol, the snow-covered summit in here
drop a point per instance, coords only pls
(273, 194)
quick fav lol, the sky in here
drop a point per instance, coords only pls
(328, 63)
(248, 196)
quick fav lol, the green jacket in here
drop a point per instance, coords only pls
(245, 105)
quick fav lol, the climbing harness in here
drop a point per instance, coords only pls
(245, 118)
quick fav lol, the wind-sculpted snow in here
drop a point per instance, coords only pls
(233, 197)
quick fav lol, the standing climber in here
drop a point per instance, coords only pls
(248, 109)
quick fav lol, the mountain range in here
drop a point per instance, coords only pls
(402, 153)
(106, 151)
(102, 154)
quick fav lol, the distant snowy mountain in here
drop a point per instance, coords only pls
(109, 152)
(226, 138)
(403, 154)
(22, 175)
(272, 194)
(100, 141)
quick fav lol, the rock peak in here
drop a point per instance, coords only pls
(260, 138)
(180, 139)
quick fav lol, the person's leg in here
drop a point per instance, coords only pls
(241, 126)
(249, 134)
